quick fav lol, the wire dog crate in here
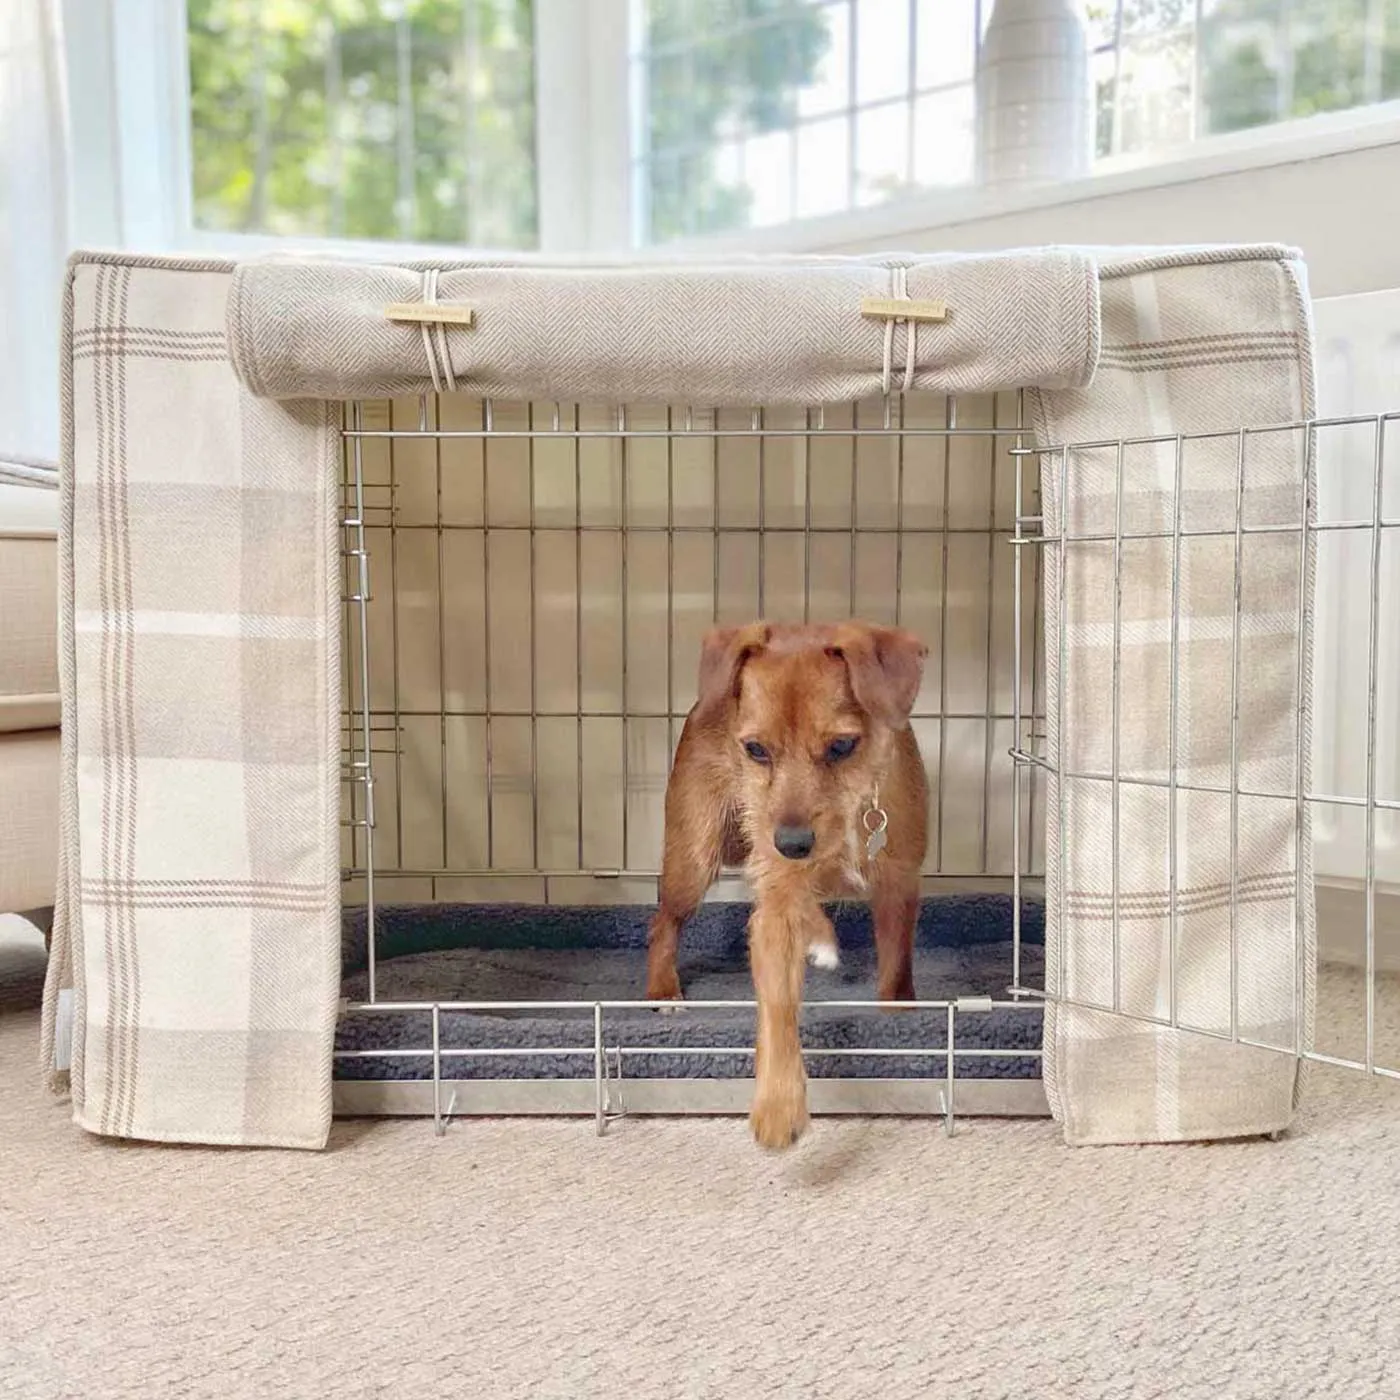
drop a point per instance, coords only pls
(525, 589)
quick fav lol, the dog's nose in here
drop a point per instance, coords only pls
(795, 842)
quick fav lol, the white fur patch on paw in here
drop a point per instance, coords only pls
(670, 1008)
(824, 955)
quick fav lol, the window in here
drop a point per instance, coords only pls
(1171, 71)
(428, 121)
(368, 119)
(788, 108)
(757, 112)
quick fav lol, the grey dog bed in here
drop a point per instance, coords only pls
(528, 953)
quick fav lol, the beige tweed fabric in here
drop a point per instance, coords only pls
(28, 818)
(28, 697)
(198, 912)
(28, 679)
(1189, 347)
(770, 332)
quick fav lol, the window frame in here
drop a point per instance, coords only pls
(129, 120)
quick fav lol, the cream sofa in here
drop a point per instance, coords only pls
(29, 706)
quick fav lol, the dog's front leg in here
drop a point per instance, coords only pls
(895, 906)
(697, 811)
(779, 928)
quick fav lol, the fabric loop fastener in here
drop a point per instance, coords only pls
(911, 312)
(433, 318)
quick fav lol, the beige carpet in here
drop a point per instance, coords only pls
(672, 1259)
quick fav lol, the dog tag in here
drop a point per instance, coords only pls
(875, 820)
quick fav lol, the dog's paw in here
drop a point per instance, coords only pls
(902, 992)
(664, 987)
(824, 955)
(667, 994)
(778, 1119)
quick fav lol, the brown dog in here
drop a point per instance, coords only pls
(797, 761)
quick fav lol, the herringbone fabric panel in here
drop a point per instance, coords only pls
(772, 331)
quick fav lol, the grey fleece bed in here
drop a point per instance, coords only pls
(529, 953)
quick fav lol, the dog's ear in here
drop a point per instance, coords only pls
(722, 656)
(886, 666)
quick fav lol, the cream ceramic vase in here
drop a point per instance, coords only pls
(1034, 101)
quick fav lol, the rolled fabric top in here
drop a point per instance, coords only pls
(761, 331)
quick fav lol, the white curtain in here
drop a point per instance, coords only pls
(34, 223)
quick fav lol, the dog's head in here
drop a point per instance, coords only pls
(812, 713)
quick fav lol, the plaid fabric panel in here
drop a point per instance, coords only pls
(1190, 346)
(200, 920)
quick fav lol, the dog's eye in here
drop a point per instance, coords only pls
(755, 751)
(841, 748)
